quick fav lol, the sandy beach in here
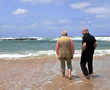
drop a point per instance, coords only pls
(44, 74)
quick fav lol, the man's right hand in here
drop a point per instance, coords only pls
(95, 45)
(83, 47)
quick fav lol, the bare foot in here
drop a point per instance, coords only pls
(63, 75)
(91, 76)
(86, 78)
(69, 75)
(64, 78)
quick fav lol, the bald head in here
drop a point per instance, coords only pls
(64, 33)
(85, 31)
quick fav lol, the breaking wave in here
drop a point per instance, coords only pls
(53, 39)
(50, 53)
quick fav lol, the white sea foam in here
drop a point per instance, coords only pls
(97, 38)
(7, 38)
(103, 38)
(49, 53)
(39, 38)
(52, 52)
(96, 53)
(14, 55)
(39, 53)
(55, 39)
(102, 52)
(76, 38)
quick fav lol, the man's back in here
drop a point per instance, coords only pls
(90, 41)
(65, 50)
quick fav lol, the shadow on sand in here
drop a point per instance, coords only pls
(96, 76)
(75, 77)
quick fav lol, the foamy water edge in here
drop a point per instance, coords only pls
(52, 53)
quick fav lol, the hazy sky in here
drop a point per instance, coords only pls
(48, 18)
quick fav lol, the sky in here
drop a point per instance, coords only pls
(48, 18)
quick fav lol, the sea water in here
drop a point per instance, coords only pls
(39, 46)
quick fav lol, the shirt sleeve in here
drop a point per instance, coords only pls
(94, 39)
(84, 39)
(57, 47)
(72, 47)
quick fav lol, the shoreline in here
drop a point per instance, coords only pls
(49, 57)
(44, 74)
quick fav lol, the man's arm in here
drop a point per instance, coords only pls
(95, 44)
(83, 46)
(72, 47)
(57, 47)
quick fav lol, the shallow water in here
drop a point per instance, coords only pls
(45, 75)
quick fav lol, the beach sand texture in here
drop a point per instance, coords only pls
(44, 74)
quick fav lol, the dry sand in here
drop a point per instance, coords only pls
(44, 74)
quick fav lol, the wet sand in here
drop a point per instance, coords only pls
(44, 74)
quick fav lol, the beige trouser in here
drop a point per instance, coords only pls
(68, 62)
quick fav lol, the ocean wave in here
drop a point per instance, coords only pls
(52, 52)
(7, 38)
(96, 53)
(14, 55)
(103, 38)
(97, 38)
(80, 38)
(24, 38)
(49, 53)
(76, 38)
(53, 39)
(29, 54)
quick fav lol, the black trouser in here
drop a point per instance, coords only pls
(87, 58)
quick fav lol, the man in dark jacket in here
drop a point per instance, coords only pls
(89, 44)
